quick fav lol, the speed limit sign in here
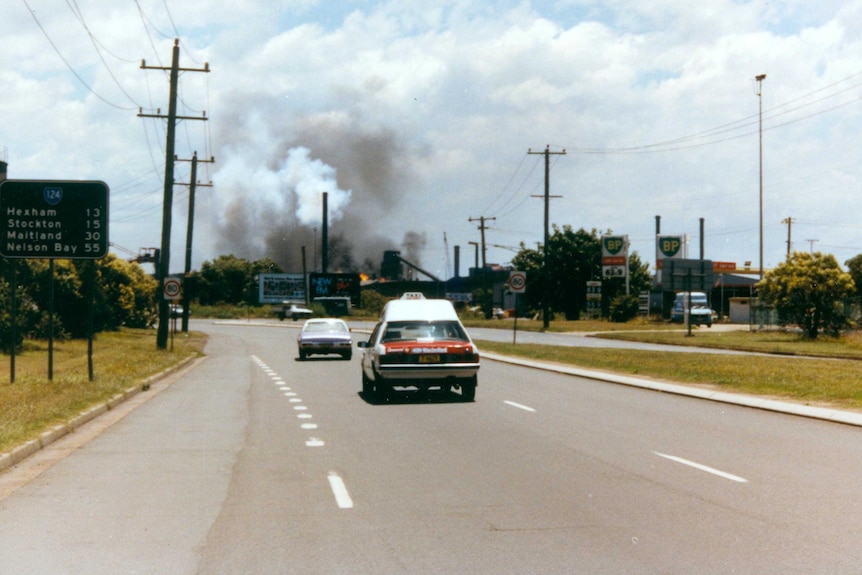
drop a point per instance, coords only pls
(172, 288)
(518, 282)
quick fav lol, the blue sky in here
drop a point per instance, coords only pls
(417, 116)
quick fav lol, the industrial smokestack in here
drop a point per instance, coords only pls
(3, 166)
(701, 239)
(324, 259)
(457, 270)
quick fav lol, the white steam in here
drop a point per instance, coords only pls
(309, 179)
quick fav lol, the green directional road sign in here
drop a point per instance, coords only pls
(53, 219)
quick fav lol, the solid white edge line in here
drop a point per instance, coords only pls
(342, 497)
(520, 406)
(703, 467)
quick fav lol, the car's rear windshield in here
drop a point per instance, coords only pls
(424, 330)
(326, 326)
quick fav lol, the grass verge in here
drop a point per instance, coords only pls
(121, 360)
(782, 343)
(833, 382)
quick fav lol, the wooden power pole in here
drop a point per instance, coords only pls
(163, 270)
(546, 275)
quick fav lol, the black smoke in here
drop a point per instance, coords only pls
(362, 169)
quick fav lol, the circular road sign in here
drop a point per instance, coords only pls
(172, 288)
(518, 282)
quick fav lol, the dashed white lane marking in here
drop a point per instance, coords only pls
(293, 399)
(342, 497)
(711, 470)
(520, 406)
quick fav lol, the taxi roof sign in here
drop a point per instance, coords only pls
(413, 295)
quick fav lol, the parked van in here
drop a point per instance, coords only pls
(699, 312)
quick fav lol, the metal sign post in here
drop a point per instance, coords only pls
(517, 284)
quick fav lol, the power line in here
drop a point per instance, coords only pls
(68, 65)
(73, 6)
(711, 135)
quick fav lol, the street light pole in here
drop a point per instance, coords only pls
(760, 79)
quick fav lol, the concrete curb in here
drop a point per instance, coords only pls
(22, 452)
(822, 413)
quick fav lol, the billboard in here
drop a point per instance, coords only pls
(687, 275)
(276, 288)
(334, 285)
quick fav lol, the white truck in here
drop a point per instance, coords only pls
(697, 306)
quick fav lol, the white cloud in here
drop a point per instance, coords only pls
(425, 111)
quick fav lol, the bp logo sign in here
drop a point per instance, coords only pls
(670, 246)
(613, 245)
(614, 255)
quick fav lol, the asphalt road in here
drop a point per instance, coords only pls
(253, 462)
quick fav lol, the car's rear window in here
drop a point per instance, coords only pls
(424, 330)
(326, 326)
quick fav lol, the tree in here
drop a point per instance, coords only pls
(854, 265)
(229, 279)
(575, 257)
(530, 261)
(808, 290)
(126, 294)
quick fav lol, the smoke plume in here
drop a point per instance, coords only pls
(271, 205)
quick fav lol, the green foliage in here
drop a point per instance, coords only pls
(228, 280)
(807, 290)
(126, 295)
(623, 308)
(639, 280)
(6, 320)
(574, 258)
(372, 302)
(122, 295)
(854, 265)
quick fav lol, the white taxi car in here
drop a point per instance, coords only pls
(421, 344)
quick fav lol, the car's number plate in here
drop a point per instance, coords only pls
(429, 358)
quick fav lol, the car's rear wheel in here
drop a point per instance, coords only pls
(468, 389)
